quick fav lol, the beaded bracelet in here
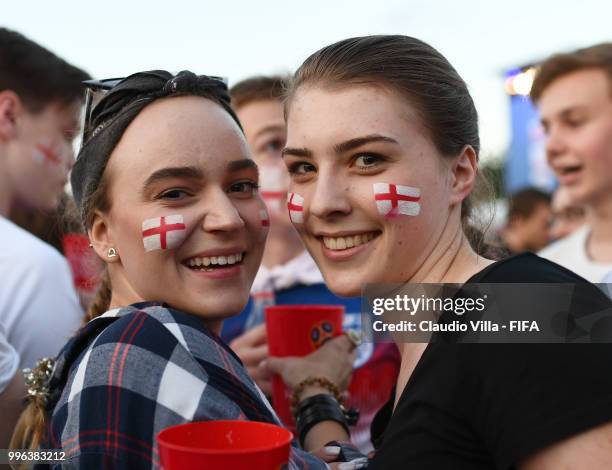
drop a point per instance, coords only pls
(309, 381)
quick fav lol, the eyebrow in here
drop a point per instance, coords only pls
(244, 164)
(192, 172)
(564, 113)
(343, 146)
(359, 141)
(271, 128)
(172, 172)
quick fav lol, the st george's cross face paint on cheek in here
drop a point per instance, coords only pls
(295, 205)
(163, 233)
(46, 154)
(393, 200)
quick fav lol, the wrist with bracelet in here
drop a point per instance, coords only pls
(321, 407)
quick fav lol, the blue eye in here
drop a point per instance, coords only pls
(275, 146)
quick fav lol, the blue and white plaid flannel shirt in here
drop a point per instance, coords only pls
(134, 371)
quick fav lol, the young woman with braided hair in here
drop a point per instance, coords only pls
(168, 195)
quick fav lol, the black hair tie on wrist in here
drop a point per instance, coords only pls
(319, 408)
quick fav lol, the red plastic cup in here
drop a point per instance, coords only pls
(298, 330)
(85, 265)
(236, 445)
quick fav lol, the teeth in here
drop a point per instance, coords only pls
(214, 260)
(342, 243)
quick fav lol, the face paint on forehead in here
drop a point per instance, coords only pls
(273, 182)
(163, 233)
(46, 154)
(295, 205)
(393, 200)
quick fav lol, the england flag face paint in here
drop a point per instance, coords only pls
(295, 205)
(163, 233)
(273, 183)
(46, 154)
(393, 200)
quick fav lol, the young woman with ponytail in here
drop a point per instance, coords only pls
(382, 148)
(168, 195)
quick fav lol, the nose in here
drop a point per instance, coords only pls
(555, 145)
(221, 214)
(330, 196)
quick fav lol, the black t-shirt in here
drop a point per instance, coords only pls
(489, 406)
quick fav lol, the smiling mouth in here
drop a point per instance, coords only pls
(569, 170)
(212, 263)
(349, 241)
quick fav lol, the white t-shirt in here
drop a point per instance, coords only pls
(9, 361)
(39, 307)
(571, 253)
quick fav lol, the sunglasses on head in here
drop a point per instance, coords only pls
(95, 91)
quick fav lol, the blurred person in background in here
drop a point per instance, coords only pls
(567, 217)
(288, 274)
(62, 230)
(527, 228)
(11, 389)
(40, 101)
(573, 92)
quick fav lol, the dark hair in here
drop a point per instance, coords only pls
(598, 56)
(258, 88)
(414, 70)
(524, 203)
(35, 74)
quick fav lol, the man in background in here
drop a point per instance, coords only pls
(529, 215)
(573, 92)
(40, 102)
(567, 217)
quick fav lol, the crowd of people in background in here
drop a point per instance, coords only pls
(50, 272)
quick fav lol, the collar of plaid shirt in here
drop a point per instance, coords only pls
(133, 371)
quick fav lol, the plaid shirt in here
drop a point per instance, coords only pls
(134, 371)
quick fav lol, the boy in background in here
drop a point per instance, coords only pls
(573, 92)
(40, 102)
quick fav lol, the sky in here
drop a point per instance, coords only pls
(239, 38)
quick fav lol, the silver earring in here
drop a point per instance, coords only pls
(111, 253)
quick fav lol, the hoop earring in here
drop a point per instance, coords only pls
(111, 253)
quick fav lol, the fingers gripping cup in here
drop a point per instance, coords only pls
(236, 445)
(298, 330)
